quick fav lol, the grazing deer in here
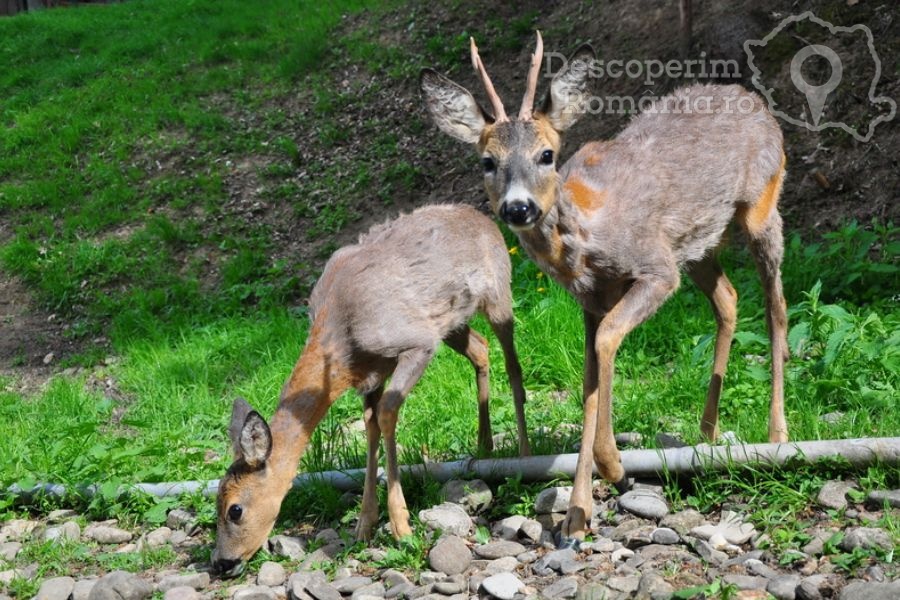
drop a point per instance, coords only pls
(619, 219)
(379, 310)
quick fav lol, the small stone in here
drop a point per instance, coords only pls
(500, 549)
(784, 587)
(254, 592)
(817, 544)
(83, 588)
(664, 535)
(104, 534)
(653, 585)
(530, 530)
(399, 591)
(197, 581)
(452, 585)
(867, 590)
(17, 529)
(56, 588)
(707, 552)
(757, 567)
(61, 514)
(746, 582)
(834, 494)
(629, 439)
(565, 587)
(508, 528)
(550, 522)
(48, 358)
(832, 418)
(9, 550)
(622, 554)
(639, 536)
(506, 563)
(866, 537)
(270, 574)
(878, 498)
(731, 526)
(120, 585)
(450, 555)
(287, 546)
(182, 592)
(158, 537)
(179, 518)
(373, 590)
(503, 586)
(644, 504)
(322, 590)
(553, 500)
(179, 538)
(683, 521)
(473, 495)
(348, 585)
(552, 561)
(449, 518)
(602, 544)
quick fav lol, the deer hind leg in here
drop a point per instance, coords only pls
(709, 277)
(762, 223)
(503, 329)
(410, 366)
(767, 248)
(368, 515)
(473, 346)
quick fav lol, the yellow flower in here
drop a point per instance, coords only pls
(541, 290)
(514, 250)
(540, 275)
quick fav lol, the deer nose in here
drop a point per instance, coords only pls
(227, 567)
(519, 213)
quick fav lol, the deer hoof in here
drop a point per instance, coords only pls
(622, 485)
(567, 543)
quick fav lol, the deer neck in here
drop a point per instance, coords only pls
(555, 242)
(319, 377)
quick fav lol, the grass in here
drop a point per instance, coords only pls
(198, 311)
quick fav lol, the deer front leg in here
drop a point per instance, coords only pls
(368, 514)
(503, 329)
(410, 366)
(581, 504)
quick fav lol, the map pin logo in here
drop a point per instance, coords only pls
(816, 94)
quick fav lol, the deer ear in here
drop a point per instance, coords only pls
(567, 99)
(250, 436)
(452, 107)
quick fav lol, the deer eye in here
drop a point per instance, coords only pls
(489, 165)
(546, 157)
(234, 512)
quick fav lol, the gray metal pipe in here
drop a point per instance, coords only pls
(859, 452)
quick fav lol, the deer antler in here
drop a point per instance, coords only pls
(499, 113)
(531, 82)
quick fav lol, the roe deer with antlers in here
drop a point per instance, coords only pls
(619, 219)
(379, 310)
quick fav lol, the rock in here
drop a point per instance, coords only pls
(683, 521)
(348, 585)
(373, 590)
(832, 418)
(731, 527)
(640, 536)
(402, 590)
(120, 585)
(707, 552)
(506, 563)
(503, 586)
(644, 504)
(474, 495)
(61, 514)
(834, 494)
(784, 587)
(746, 582)
(179, 518)
(448, 517)
(629, 439)
(56, 588)
(602, 544)
(597, 591)
(254, 592)
(551, 521)
(878, 498)
(83, 588)
(287, 546)
(867, 590)
(553, 500)
(757, 567)
(500, 549)
(664, 535)
(322, 590)
(621, 554)
(450, 555)
(455, 584)
(158, 537)
(104, 534)
(197, 581)
(9, 550)
(626, 584)
(530, 530)
(182, 592)
(180, 538)
(270, 574)
(818, 586)
(653, 585)
(553, 561)
(17, 529)
(866, 537)
(508, 528)
(565, 587)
